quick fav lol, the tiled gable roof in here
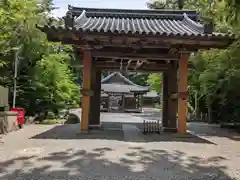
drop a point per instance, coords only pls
(140, 22)
(126, 87)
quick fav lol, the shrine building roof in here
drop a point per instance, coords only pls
(117, 83)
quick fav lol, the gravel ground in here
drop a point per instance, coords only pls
(60, 152)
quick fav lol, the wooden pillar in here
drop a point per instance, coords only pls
(172, 98)
(136, 103)
(97, 96)
(109, 108)
(94, 116)
(123, 102)
(140, 99)
(182, 93)
(87, 69)
(92, 98)
(165, 100)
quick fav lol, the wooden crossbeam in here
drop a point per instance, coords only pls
(116, 67)
(137, 56)
(133, 70)
(145, 67)
(133, 64)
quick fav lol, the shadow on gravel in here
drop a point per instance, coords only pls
(113, 131)
(136, 163)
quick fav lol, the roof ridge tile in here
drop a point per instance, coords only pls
(197, 26)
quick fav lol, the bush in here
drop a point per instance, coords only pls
(72, 119)
(50, 121)
(51, 115)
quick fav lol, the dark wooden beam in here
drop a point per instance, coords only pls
(156, 66)
(189, 42)
(172, 101)
(137, 56)
(132, 70)
(165, 99)
(132, 64)
(96, 98)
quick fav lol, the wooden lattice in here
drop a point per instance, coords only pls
(151, 127)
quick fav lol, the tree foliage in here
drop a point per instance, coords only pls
(155, 81)
(159, 4)
(215, 74)
(18, 19)
(139, 78)
(55, 82)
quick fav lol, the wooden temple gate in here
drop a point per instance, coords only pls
(139, 40)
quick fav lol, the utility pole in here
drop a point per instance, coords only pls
(15, 49)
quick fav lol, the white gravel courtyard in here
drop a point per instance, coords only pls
(60, 152)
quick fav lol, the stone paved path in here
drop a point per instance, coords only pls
(58, 152)
(131, 133)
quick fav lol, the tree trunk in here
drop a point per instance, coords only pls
(209, 107)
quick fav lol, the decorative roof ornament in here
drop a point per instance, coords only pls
(69, 20)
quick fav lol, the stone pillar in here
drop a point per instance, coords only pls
(182, 93)
(165, 100)
(86, 89)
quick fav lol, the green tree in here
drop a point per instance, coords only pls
(18, 19)
(55, 82)
(155, 81)
(139, 78)
(168, 4)
(214, 76)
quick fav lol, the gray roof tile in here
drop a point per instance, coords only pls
(118, 87)
(137, 22)
(144, 26)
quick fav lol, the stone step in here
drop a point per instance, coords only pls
(132, 133)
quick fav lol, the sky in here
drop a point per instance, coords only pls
(62, 5)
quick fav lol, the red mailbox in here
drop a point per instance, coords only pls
(20, 115)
